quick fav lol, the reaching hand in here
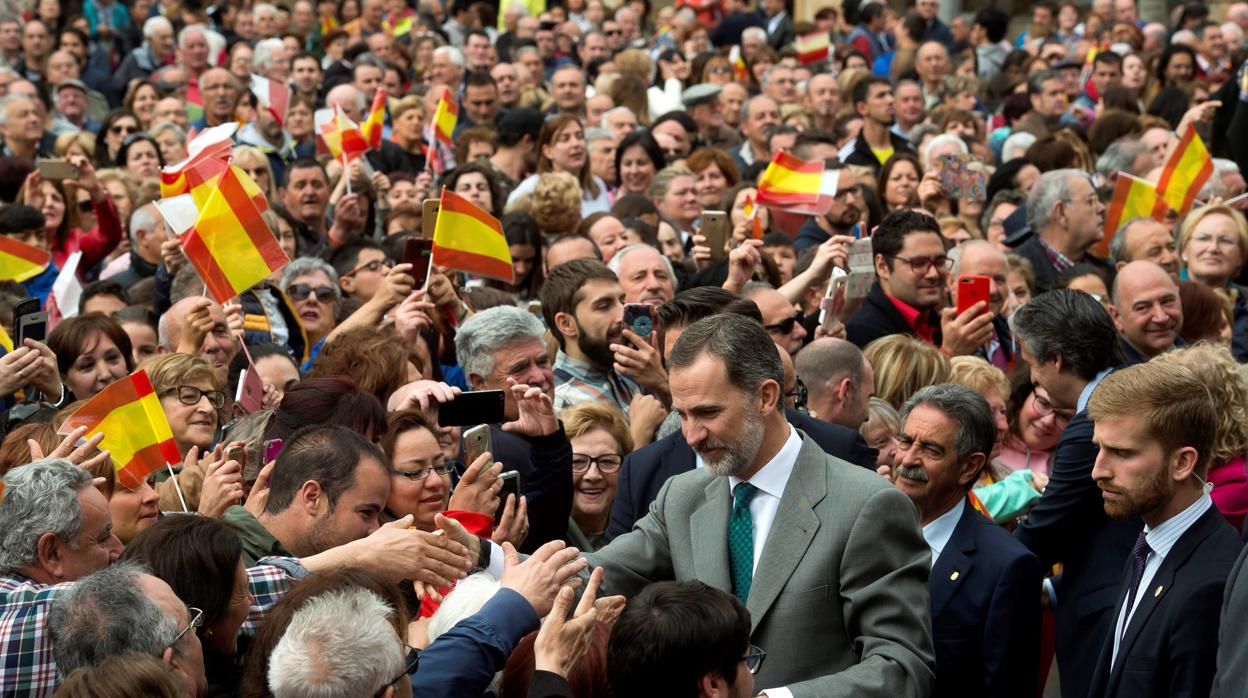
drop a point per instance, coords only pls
(741, 264)
(478, 488)
(85, 455)
(513, 526)
(539, 578)
(638, 359)
(962, 334)
(196, 326)
(397, 552)
(258, 497)
(537, 411)
(223, 488)
(562, 641)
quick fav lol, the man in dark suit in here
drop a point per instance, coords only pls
(1069, 341)
(1155, 425)
(985, 612)
(778, 23)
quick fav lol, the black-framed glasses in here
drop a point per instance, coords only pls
(920, 265)
(371, 267)
(411, 662)
(785, 326)
(197, 619)
(799, 395)
(120, 129)
(190, 395)
(607, 462)
(1044, 408)
(613, 32)
(840, 194)
(324, 294)
(442, 469)
(753, 658)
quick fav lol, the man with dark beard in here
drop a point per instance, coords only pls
(584, 309)
(845, 213)
(1155, 426)
(815, 547)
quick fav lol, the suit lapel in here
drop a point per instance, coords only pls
(955, 561)
(709, 524)
(792, 530)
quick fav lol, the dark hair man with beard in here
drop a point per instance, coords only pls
(845, 213)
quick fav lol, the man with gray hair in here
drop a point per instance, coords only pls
(839, 381)
(121, 610)
(646, 275)
(272, 59)
(982, 578)
(147, 234)
(55, 528)
(1124, 155)
(145, 59)
(504, 348)
(1148, 240)
(1065, 216)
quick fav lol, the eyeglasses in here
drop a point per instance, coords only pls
(1090, 200)
(85, 206)
(754, 658)
(1045, 408)
(716, 69)
(324, 294)
(613, 32)
(799, 395)
(920, 265)
(419, 474)
(372, 267)
(785, 326)
(197, 619)
(190, 395)
(120, 129)
(607, 463)
(411, 663)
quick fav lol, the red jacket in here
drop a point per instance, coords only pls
(94, 244)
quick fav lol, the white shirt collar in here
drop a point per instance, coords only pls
(772, 478)
(938, 532)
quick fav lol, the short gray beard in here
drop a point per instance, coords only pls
(740, 454)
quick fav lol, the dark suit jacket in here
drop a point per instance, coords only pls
(1069, 525)
(878, 317)
(783, 35)
(545, 467)
(985, 612)
(1170, 646)
(645, 470)
(729, 29)
(1232, 640)
(1033, 251)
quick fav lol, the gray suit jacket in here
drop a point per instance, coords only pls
(839, 600)
(1232, 641)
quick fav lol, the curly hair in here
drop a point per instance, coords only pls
(556, 203)
(1227, 382)
(581, 419)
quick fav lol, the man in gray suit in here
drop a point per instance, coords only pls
(828, 558)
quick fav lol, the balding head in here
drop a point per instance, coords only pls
(218, 346)
(349, 99)
(1145, 240)
(1146, 308)
(839, 381)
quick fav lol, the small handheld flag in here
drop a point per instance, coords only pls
(813, 48)
(376, 120)
(1133, 198)
(273, 95)
(445, 116)
(19, 261)
(468, 239)
(1187, 170)
(797, 186)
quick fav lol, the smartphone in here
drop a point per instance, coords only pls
(834, 298)
(972, 289)
(250, 395)
(31, 326)
(511, 485)
(419, 253)
(639, 317)
(476, 442)
(25, 306)
(272, 449)
(715, 228)
(57, 169)
(475, 407)
(429, 216)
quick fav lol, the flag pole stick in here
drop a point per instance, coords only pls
(345, 172)
(177, 488)
(1235, 199)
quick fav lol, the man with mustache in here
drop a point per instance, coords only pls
(985, 613)
(982, 258)
(1155, 426)
(1146, 311)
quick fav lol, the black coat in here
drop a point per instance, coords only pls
(878, 317)
(645, 470)
(1033, 251)
(545, 467)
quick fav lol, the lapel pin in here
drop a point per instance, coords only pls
(953, 577)
(1158, 592)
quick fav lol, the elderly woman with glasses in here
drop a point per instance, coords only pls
(600, 440)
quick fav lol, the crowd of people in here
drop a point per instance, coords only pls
(735, 455)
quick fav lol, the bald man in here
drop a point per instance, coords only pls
(1146, 311)
(839, 381)
(202, 318)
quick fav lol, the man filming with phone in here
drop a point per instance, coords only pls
(980, 262)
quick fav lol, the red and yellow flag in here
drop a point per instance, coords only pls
(740, 71)
(338, 135)
(1133, 198)
(225, 238)
(468, 239)
(445, 116)
(376, 120)
(328, 22)
(208, 154)
(1187, 169)
(19, 261)
(813, 48)
(751, 212)
(797, 186)
(136, 431)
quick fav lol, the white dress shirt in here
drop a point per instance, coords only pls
(940, 530)
(1161, 540)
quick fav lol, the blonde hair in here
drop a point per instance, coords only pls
(978, 375)
(663, 180)
(1175, 405)
(1197, 215)
(579, 420)
(405, 105)
(1227, 382)
(904, 364)
(948, 224)
(168, 371)
(635, 62)
(556, 205)
(84, 139)
(129, 183)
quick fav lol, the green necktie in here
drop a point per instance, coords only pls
(741, 540)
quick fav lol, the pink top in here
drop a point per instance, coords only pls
(1017, 455)
(1230, 490)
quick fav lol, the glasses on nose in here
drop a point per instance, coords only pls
(607, 463)
(1045, 408)
(841, 194)
(418, 475)
(371, 267)
(190, 395)
(197, 619)
(1090, 200)
(753, 658)
(613, 32)
(920, 265)
(785, 326)
(324, 294)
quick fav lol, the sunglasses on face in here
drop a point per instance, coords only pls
(324, 294)
(120, 129)
(85, 206)
(785, 326)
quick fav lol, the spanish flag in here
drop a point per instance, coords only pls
(376, 120)
(273, 95)
(797, 186)
(19, 261)
(328, 22)
(739, 69)
(208, 155)
(468, 239)
(136, 431)
(225, 238)
(445, 117)
(751, 212)
(1187, 169)
(813, 48)
(337, 135)
(1133, 198)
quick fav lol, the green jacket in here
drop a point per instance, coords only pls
(257, 541)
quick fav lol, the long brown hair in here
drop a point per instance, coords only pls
(549, 130)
